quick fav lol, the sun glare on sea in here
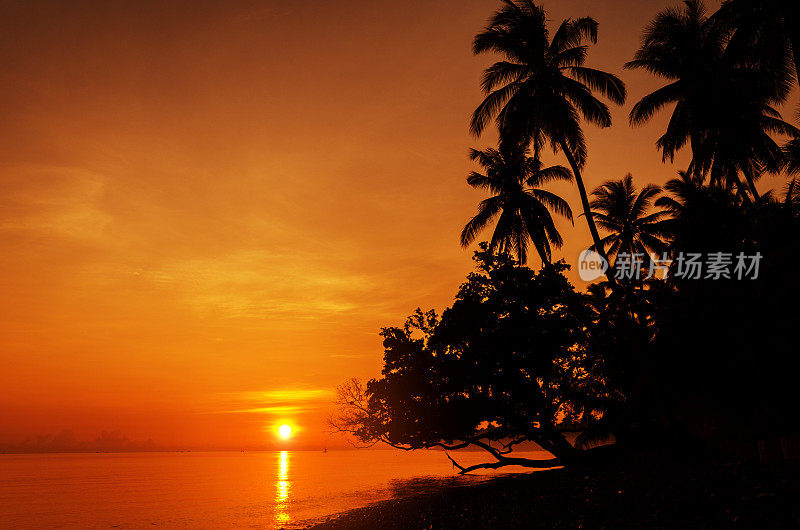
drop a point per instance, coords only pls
(285, 432)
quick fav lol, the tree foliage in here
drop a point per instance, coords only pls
(507, 363)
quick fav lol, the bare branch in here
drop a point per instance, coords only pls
(503, 461)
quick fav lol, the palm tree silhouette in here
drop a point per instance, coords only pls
(723, 103)
(623, 212)
(792, 152)
(682, 191)
(702, 218)
(769, 29)
(541, 89)
(514, 178)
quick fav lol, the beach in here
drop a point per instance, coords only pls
(634, 495)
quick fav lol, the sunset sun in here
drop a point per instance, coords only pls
(285, 432)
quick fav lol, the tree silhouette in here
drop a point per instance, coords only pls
(523, 208)
(732, 378)
(507, 363)
(541, 90)
(769, 30)
(682, 190)
(724, 108)
(520, 356)
(792, 152)
(702, 218)
(623, 212)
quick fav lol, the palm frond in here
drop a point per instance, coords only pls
(607, 84)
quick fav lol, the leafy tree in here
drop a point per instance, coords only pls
(541, 89)
(507, 363)
(523, 208)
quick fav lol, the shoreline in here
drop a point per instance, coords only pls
(633, 495)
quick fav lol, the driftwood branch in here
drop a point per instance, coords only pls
(503, 461)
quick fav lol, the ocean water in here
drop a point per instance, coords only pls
(290, 489)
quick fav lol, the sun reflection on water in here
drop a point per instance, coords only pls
(282, 490)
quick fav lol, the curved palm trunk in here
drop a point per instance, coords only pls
(587, 212)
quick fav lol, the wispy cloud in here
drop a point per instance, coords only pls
(256, 284)
(281, 409)
(55, 201)
(280, 401)
(292, 395)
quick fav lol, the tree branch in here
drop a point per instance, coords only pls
(502, 460)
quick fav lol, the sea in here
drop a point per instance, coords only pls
(277, 489)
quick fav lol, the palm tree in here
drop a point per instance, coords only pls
(541, 89)
(702, 218)
(683, 190)
(523, 208)
(724, 105)
(770, 30)
(792, 152)
(623, 213)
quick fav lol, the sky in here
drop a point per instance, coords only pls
(209, 209)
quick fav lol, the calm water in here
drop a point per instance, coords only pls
(263, 489)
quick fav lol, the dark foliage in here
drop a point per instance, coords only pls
(723, 355)
(508, 362)
(724, 97)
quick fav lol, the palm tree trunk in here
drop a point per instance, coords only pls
(740, 187)
(587, 212)
(751, 183)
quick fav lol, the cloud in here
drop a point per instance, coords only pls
(281, 401)
(290, 395)
(281, 409)
(257, 283)
(55, 201)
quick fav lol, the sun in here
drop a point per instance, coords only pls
(285, 432)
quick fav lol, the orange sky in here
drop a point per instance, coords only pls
(208, 209)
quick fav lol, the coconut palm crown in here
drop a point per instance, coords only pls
(521, 208)
(541, 90)
(624, 212)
